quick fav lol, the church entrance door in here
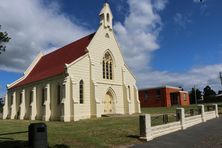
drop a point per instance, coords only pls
(108, 103)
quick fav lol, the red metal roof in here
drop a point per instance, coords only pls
(53, 63)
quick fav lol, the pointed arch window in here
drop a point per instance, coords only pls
(107, 66)
(81, 92)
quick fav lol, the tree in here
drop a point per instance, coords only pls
(207, 91)
(1, 105)
(219, 92)
(3, 39)
(192, 95)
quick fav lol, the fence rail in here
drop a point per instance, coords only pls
(150, 126)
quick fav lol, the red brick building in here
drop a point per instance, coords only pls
(165, 96)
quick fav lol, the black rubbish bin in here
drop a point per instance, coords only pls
(38, 135)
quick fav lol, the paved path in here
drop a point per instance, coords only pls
(204, 135)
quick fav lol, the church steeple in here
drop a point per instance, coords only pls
(106, 17)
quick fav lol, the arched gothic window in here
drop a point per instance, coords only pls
(107, 67)
(81, 91)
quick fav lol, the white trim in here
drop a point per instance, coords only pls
(167, 86)
(34, 62)
(130, 71)
(182, 91)
(77, 60)
(28, 70)
(109, 83)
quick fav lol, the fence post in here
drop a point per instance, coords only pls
(216, 110)
(181, 116)
(145, 127)
(201, 107)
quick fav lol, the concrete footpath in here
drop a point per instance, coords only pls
(204, 135)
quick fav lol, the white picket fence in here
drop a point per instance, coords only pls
(148, 132)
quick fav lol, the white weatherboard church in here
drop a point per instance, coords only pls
(87, 78)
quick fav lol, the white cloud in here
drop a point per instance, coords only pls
(160, 4)
(196, 1)
(138, 33)
(181, 20)
(33, 26)
(138, 36)
(199, 76)
(199, 1)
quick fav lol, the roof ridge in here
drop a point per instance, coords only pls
(79, 39)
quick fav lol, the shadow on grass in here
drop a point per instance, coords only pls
(13, 133)
(13, 143)
(60, 146)
(133, 136)
(10, 143)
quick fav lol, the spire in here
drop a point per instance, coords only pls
(106, 17)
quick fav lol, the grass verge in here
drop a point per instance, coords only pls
(102, 132)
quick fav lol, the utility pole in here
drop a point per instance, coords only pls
(220, 74)
(195, 94)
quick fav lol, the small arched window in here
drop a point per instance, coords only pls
(12, 98)
(129, 92)
(31, 97)
(58, 94)
(107, 17)
(43, 96)
(107, 67)
(20, 98)
(81, 92)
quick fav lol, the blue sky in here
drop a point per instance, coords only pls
(164, 42)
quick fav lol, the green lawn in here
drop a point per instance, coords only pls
(102, 132)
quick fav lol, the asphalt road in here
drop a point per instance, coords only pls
(204, 135)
